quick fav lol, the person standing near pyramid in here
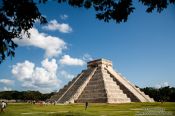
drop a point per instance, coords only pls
(3, 106)
(86, 105)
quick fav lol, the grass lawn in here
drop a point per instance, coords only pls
(129, 109)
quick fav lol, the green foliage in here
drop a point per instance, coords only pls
(24, 95)
(16, 16)
(106, 10)
(160, 5)
(162, 94)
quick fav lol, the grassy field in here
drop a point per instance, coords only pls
(129, 109)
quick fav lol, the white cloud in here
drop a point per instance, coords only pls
(38, 78)
(6, 81)
(50, 66)
(7, 89)
(87, 57)
(158, 86)
(54, 25)
(67, 60)
(64, 16)
(53, 46)
(163, 84)
(23, 71)
(65, 74)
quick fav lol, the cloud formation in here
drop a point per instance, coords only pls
(6, 81)
(23, 71)
(64, 16)
(163, 84)
(7, 89)
(53, 46)
(67, 60)
(39, 78)
(87, 57)
(53, 25)
(64, 74)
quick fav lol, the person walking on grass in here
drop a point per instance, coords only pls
(3, 106)
(86, 105)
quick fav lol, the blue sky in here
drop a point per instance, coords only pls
(142, 49)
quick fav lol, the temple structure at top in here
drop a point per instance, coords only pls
(100, 83)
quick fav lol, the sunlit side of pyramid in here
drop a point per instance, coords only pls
(99, 83)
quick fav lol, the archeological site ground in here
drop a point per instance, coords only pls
(128, 109)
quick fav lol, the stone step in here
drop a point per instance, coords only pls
(97, 95)
(108, 79)
(101, 71)
(115, 95)
(111, 85)
(95, 82)
(102, 74)
(91, 85)
(152, 100)
(92, 100)
(95, 85)
(96, 89)
(114, 90)
(75, 87)
(119, 100)
(93, 95)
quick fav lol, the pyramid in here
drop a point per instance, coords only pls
(100, 83)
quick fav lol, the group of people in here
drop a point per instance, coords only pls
(3, 105)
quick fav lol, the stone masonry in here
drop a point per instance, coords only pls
(99, 83)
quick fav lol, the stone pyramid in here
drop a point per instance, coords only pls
(99, 83)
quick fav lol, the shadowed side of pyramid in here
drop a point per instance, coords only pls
(71, 91)
(99, 83)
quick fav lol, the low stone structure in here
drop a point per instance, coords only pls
(99, 83)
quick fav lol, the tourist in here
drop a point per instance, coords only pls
(3, 106)
(34, 101)
(54, 103)
(86, 105)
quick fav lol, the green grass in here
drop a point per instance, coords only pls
(129, 109)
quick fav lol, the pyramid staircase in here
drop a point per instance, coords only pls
(99, 83)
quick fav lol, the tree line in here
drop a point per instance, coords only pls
(163, 94)
(25, 95)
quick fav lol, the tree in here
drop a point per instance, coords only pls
(18, 16)
(162, 94)
(25, 95)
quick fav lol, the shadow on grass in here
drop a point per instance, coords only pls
(71, 114)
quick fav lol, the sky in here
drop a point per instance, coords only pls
(142, 49)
